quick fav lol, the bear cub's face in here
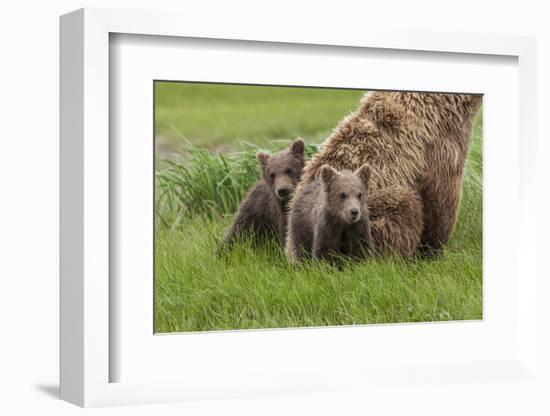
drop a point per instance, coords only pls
(282, 171)
(345, 192)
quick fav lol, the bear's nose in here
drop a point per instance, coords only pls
(354, 212)
(283, 192)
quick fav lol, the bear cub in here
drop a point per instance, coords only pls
(330, 217)
(263, 212)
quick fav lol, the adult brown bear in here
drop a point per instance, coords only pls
(415, 140)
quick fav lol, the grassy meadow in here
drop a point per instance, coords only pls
(206, 139)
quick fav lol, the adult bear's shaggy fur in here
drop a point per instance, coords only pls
(416, 140)
(395, 218)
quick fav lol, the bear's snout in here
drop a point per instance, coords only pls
(352, 215)
(283, 192)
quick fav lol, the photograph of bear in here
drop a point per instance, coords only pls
(373, 214)
(418, 141)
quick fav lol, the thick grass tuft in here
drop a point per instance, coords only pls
(201, 182)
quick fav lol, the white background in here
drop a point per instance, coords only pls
(29, 206)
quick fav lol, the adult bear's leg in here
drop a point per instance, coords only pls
(395, 217)
(441, 197)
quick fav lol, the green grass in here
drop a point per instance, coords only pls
(221, 116)
(209, 184)
(256, 288)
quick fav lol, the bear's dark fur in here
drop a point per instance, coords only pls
(330, 217)
(263, 212)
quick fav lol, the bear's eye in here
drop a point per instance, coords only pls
(343, 195)
(288, 171)
(359, 195)
(272, 176)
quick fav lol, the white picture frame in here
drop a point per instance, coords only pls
(87, 356)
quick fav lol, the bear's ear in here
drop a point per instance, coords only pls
(297, 147)
(363, 173)
(328, 174)
(262, 158)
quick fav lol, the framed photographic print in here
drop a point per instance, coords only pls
(270, 213)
